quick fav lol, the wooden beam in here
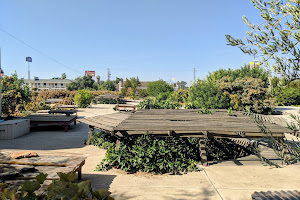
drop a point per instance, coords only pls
(92, 128)
(202, 149)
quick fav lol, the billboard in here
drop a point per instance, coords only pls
(28, 59)
(91, 73)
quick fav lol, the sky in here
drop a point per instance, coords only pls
(151, 39)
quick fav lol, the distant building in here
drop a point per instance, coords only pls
(143, 85)
(47, 84)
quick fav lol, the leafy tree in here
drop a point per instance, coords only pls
(98, 79)
(288, 97)
(276, 39)
(131, 86)
(83, 98)
(245, 71)
(14, 95)
(245, 93)
(160, 86)
(63, 76)
(206, 94)
(80, 83)
(181, 85)
(108, 85)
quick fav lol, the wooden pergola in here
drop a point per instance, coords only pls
(183, 123)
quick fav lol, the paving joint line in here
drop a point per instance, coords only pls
(213, 184)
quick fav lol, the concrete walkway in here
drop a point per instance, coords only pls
(227, 180)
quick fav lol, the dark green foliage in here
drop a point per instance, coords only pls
(85, 82)
(14, 95)
(151, 103)
(112, 101)
(206, 94)
(103, 140)
(156, 87)
(108, 85)
(143, 93)
(245, 71)
(148, 153)
(131, 87)
(224, 149)
(247, 93)
(288, 97)
(205, 111)
(64, 188)
(83, 98)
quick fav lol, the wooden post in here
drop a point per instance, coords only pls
(202, 149)
(117, 144)
(90, 135)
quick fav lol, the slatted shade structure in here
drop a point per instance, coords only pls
(184, 123)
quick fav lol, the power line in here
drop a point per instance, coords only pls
(39, 51)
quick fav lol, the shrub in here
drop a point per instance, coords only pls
(289, 96)
(143, 93)
(36, 104)
(246, 93)
(179, 96)
(156, 87)
(151, 103)
(63, 188)
(103, 140)
(14, 95)
(83, 98)
(148, 153)
(206, 94)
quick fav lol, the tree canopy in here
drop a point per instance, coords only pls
(276, 40)
(156, 87)
(80, 83)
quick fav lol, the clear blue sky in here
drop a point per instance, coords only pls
(151, 39)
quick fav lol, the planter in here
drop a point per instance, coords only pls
(12, 129)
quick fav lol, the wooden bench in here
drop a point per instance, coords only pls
(66, 112)
(50, 120)
(124, 107)
(68, 106)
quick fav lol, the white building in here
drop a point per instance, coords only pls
(47, 84)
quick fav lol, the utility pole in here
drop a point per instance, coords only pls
(0, 87)
(108, 74)
(194, 74)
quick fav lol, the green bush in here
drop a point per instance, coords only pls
(289, 96)
(83, 98)
(64, 188)
(206, 94)
(112, 101)
(151, 103)
(143, 93)
(14, 95)
(103, 140)
(148, 153)
(156, 87)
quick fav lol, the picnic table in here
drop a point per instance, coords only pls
(52, 101)
(50, 163)
(68, 106)
(125, 107)
(66, 112)
(48, 120)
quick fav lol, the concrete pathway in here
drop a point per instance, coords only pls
(227, 180)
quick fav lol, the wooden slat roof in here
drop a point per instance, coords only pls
(105, 122)
(181, 120)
